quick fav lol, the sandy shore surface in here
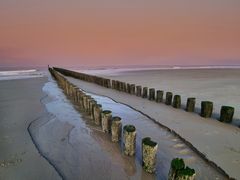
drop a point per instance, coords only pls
(220, 86)
(218, 142)
(19, 106)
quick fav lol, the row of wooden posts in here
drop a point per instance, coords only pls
(226, 112)
(113, 126)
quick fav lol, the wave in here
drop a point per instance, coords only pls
(17, 72)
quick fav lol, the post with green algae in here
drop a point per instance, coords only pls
(159, 97)
(149, 154)
(178, 171)
(97, 110)
(206, 109)
(129, 135)
(151, 94)
(226, 114)
(106, 117)
(168, 98)
(145, 92)
(191, 104)
(139, 91)
(116, 129)
(177, 101)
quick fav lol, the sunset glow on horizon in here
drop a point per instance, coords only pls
(113, 32)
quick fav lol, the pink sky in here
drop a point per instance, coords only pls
(111, 32)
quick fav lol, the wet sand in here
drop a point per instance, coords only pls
(76, 146)
(81, 150)
(19, 106)
(218, 142)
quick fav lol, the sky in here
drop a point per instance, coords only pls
(119, 32)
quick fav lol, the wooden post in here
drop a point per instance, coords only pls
(191, 104)
(97, 110)
(177, 101)
(129, 133)
(128, 88)
(132, 89)
(206, 109)
(159, 96)
(145, 92)
(106, 118)
(226, 114)
(139, 91)
(168, 98)
(116, 129)
(151, 94)
(149, 152)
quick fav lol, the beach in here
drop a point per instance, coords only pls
(20, 104)
(39, 123)
(218, 142)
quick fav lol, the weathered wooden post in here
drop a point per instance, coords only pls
(206, 109)
(116, 129)
(108, 83)
(128, 88)
(226, 114)
(159, 96)
(91, 108)
(106, 116)
(145, 92)
(151, 94)
(139, 91)
(149, 152)
(97, 110)
(85, 103)
(178, 171)
(129, 133)
(113, 84)
(124, 87)
(191, 104)
(89, 104)
(132, 89)
(168, 98)
(177, 101)
(76, 89)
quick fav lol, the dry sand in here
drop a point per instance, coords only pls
(219, 142)
(19, 106)
(218, 85)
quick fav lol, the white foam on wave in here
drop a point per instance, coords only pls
(20, 74)
(9, 73)
(117, 70)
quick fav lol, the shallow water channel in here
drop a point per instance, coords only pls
(80, 150)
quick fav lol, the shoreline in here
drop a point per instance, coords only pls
(36, 144)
